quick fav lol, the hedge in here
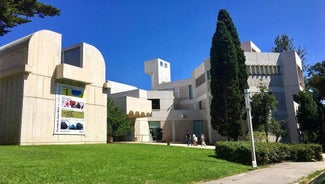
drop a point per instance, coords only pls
(267, 153)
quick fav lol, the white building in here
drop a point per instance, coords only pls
(178, 106)
(50, 94)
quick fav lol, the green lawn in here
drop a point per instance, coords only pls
(111, 163)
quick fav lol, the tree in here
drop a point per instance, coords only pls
(311, 110)
(228, 101)
(242, 68)
(262, 105)
(243, 73)
(284, 43)
(277, 128)
(316, 80)
(117, 123)
(316, 85)
(307, 116)
(16, 12)
(321, 120)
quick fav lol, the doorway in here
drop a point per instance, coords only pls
(155, 130)
(197, 127)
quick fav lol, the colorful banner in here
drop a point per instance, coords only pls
(70, 110)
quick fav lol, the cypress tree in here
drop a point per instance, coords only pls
(223, 82)
(228, 79)
(243, 74)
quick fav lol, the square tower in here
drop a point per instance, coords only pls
(159, 70)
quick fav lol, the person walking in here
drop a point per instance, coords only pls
(195, 139)
(203, 139)
(188, 138)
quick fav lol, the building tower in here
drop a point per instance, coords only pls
(159, 70)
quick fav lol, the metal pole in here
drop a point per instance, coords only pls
(250, 127)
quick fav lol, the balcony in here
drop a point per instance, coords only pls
(72, 73)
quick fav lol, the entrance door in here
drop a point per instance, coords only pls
(197, 127)
(155, 130)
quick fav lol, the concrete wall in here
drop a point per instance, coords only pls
(44, 53)
(291, 67)
(134, 107)
(13, 71)
(11, 95)
(32, 66)
(117, 87)
(141, 130)
(249, 46)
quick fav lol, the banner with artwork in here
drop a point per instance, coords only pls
(70, 110)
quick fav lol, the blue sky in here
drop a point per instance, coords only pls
(129, 32)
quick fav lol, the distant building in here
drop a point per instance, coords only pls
(178, 106)
(50, 95)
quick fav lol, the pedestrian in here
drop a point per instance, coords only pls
(188, 138)
(194, 140)
(203, 139)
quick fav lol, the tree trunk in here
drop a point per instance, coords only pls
(110, 139)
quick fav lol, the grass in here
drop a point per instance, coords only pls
(112, 163)
(311, 177)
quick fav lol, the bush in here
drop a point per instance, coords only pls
(267, 153)
(258, 136)
(306, 152)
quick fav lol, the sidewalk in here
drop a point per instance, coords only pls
(287, 172)
(282, 173)
(190, 146)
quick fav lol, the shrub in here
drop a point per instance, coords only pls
(267, 153)
(306, 152)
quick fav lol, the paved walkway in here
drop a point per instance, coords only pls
(283, 173)
(288, 172)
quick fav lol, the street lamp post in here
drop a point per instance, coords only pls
(250, 127)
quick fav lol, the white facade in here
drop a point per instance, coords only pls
(178, 106)
(159, 70)
(51, 95)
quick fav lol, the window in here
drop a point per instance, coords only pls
(190, 91)
(155, 130)
(248, 69)
(267, 70)
(200, 80)
(258, 71)
(161, 63)
(263, 70)
(252, 70)
(208, 74)
(200, 105)
(73, 56)
(165, 64)
(155, 103)
(274, 70)
(300, 76)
